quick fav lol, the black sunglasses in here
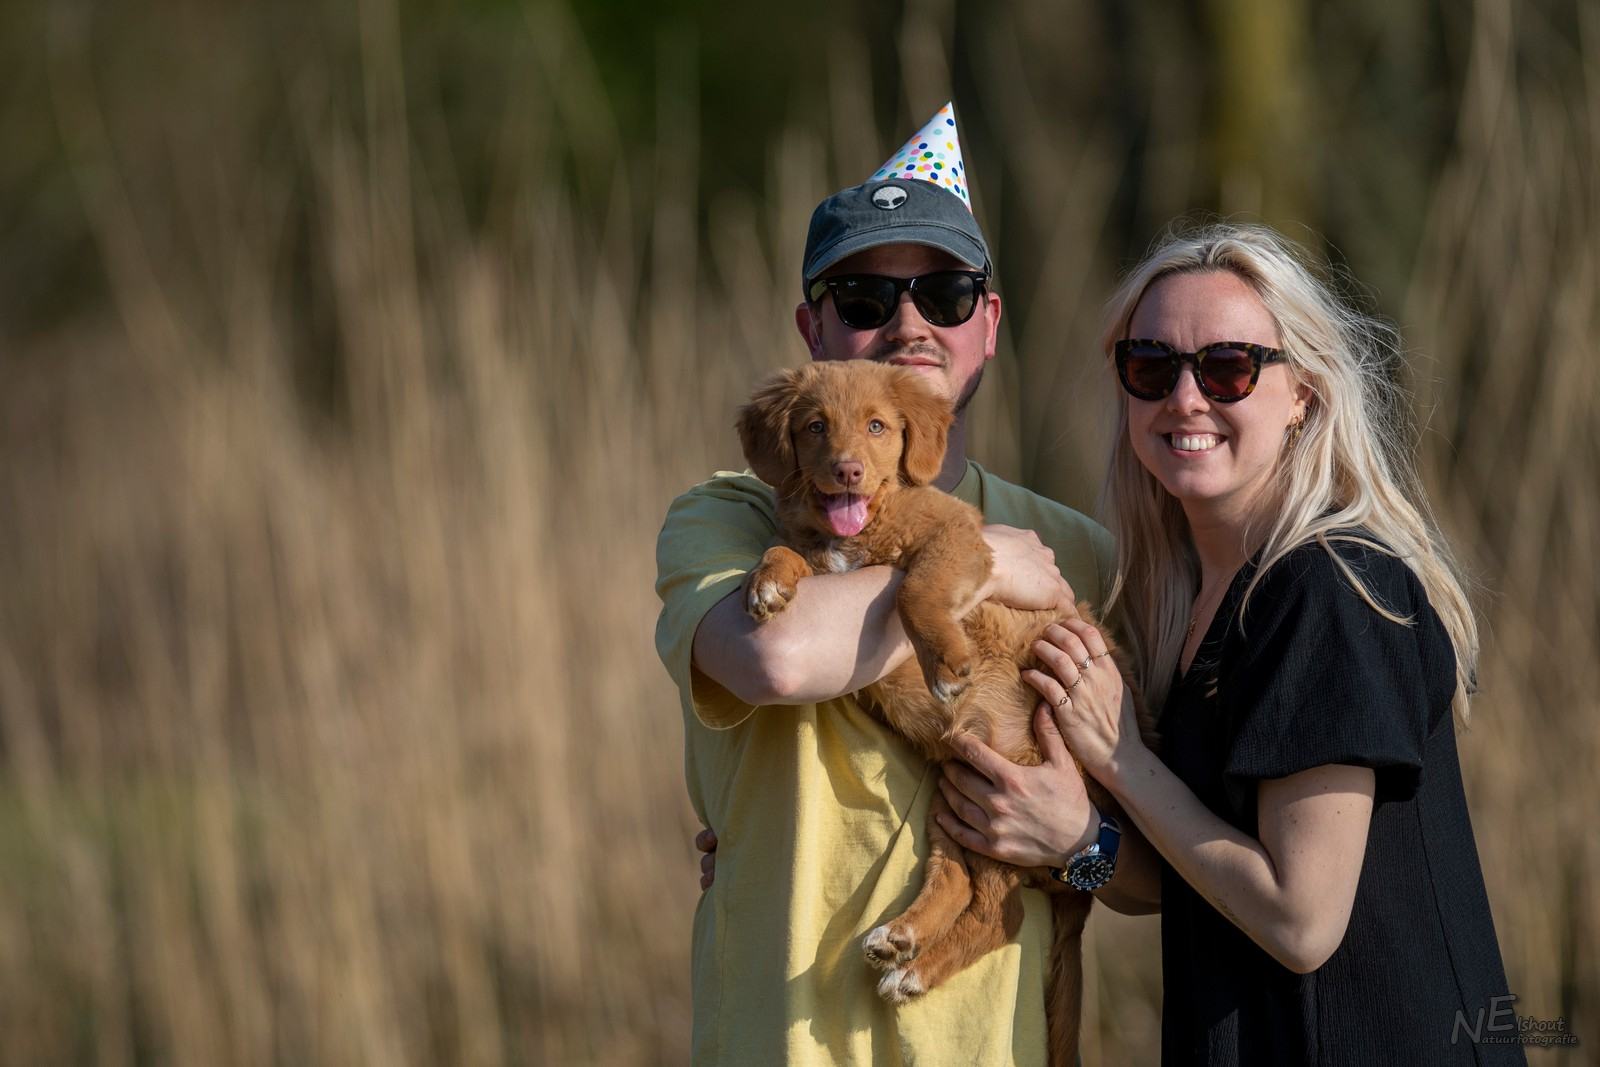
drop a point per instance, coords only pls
(1225, 371)
(867, 301)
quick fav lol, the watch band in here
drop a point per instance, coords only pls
(1093, 865)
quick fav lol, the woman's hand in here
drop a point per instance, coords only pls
(1028, 816)
(1088, 701)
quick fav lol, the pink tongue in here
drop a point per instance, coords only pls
(847, 513)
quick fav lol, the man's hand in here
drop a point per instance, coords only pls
(706, 842)
(1024, 575)
(1028, 816)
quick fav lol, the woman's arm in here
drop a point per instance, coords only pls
(1135, 887)
(1291, 891)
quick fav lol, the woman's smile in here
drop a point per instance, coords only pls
(1193, 444)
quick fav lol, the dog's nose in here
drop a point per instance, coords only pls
(848, 471)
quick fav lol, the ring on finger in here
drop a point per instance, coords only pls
(1085, 664)
(1066, 698)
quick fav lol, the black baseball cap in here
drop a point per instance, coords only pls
(896, 211)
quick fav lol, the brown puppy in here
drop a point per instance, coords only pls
(851, 448)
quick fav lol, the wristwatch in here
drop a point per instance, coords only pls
(1092, 866)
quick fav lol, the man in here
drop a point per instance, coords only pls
(819, 810)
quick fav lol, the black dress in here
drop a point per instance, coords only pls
(1315, 676)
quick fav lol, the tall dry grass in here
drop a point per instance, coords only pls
(330, 727)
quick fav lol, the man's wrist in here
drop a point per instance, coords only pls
(1090, 835)
(1093, 866)
(984, 592)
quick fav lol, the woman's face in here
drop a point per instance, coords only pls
(1215, 458)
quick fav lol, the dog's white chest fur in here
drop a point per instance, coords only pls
(837, 561)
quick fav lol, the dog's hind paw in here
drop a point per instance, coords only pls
(890, 945)
(900, 985)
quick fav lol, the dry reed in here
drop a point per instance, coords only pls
(330, 729)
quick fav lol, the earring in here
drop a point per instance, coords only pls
(1292, 432)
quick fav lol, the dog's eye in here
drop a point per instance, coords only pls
(875, 426)
(816, 426)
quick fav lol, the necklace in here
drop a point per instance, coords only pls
(1194, 619)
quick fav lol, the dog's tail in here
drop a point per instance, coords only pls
(1064, 991)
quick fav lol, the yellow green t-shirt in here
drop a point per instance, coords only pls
(820, 813)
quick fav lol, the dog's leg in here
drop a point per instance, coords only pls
(770, 587)
(946, 892)
(1064, 990)
(992, 919)
(945, 574)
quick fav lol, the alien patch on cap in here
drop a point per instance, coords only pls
(889, 197)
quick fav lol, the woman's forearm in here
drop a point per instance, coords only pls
(1296, 916)
(1135, 888)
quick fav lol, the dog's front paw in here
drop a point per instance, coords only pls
(766, 596)
(890, 945)
(949, 679)
(947, 662)
(900, 985)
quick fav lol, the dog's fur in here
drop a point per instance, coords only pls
(802, 432)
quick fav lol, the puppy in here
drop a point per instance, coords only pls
(851, 448)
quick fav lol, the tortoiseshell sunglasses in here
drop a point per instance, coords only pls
(1225, 371)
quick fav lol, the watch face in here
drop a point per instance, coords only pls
(1090, 872)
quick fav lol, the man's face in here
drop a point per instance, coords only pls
(951, 357)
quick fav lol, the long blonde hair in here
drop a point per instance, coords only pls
(1348, 468)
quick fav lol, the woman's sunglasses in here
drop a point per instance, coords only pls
(1225, 371)
(867, 301)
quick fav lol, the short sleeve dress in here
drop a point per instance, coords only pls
(1312, 675)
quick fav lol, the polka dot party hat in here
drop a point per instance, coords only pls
(933, 155)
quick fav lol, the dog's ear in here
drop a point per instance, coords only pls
(764, 427)
(928, 418)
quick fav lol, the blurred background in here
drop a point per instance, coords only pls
(351, 354)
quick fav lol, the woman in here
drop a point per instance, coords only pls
(1299, 622)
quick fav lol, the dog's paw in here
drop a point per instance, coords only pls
(950, 680)
(766, 597)
(900, 985)
(890, 945)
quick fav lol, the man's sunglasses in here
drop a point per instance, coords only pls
(867, 301)
(1225, 371)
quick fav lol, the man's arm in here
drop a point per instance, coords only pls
(841, 632)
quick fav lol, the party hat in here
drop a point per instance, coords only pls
(933, 155)
(920, 196)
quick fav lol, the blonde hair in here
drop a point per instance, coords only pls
(1348, 468)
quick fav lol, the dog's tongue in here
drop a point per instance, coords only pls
(847, 513)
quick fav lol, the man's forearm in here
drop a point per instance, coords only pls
(840, 632)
